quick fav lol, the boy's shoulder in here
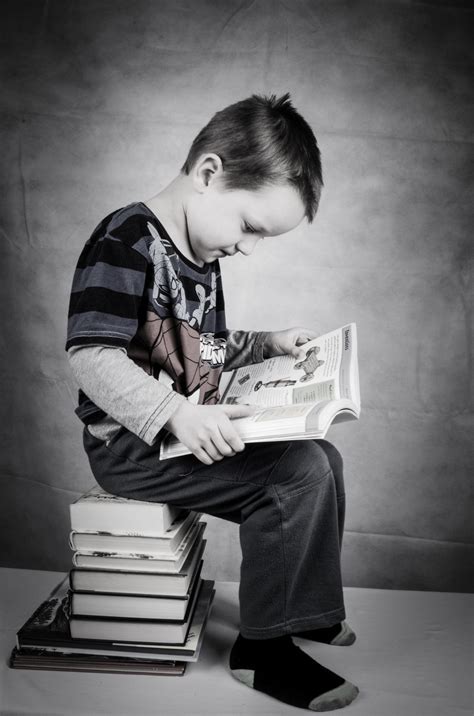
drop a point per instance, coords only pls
(130, 225)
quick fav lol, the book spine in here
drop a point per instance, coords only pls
(155, 547)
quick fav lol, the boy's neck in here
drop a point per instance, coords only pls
(169, 205)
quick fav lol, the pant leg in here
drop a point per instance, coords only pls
(282, 495)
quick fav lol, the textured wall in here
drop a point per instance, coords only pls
(100, 103)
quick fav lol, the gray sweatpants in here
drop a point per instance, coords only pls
(287, 497)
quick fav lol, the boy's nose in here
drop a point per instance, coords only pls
(247, 245)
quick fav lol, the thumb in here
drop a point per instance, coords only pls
(298, 353)
(238, 411)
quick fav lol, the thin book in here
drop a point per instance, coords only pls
(44, 661)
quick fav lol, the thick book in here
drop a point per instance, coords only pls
(168, 544)
(99, 511)
(134, 606)
(52, 661)
(137, 562)
(166, 631)
(48, 630)
(294, 399)
(159, 583)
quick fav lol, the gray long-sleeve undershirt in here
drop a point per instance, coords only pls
(134, 399)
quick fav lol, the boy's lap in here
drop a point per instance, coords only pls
(253, 465)
(127, 465)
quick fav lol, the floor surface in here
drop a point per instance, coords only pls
(413, 657)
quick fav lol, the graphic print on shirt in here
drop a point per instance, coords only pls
(212, 349)
(206, 302)
(169, 345)
(168, 291)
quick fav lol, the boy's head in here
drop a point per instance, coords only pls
(263, 141)
(254, 171)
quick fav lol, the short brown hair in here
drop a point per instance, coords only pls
(263, 140)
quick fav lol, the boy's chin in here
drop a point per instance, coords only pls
(213, 256)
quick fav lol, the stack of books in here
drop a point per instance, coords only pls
(134, 601)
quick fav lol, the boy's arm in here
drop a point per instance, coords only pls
(123, 390)
(143, 405)
(244, 348)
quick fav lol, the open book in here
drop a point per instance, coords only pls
(297, 399)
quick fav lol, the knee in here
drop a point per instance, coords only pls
(333, 455)
(304, 460)
(335, 460)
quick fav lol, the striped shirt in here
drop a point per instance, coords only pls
(133, 289)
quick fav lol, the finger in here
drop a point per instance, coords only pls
(238, 411)
(304, 337)
(203, 456)
(232, 438)
(212, 451)
(298, 353)
(221, 445)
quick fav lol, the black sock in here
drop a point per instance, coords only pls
(263, 647)
(339, 634)
(279, 668)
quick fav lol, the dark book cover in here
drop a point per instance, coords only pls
(42, 660)
(48, 627)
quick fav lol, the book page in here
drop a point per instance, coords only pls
(283, 380)
(268, 383)
(273, 420)
(274, 413)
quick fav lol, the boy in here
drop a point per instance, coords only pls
(147, 341)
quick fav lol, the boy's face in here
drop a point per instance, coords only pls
(222, 222)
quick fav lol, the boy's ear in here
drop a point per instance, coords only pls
(207, 170)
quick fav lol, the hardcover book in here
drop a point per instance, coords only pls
(98, 511)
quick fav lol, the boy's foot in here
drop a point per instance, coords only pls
(281, 669)
(337, 635)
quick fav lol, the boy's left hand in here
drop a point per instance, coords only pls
(287, 342)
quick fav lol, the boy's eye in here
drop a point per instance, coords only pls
(249, 229)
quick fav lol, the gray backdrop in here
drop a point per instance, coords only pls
(100, 102)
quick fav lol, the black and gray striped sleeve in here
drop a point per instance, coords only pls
(244, 348)
(107, 296)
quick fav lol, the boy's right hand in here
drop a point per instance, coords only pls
(207, 430)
